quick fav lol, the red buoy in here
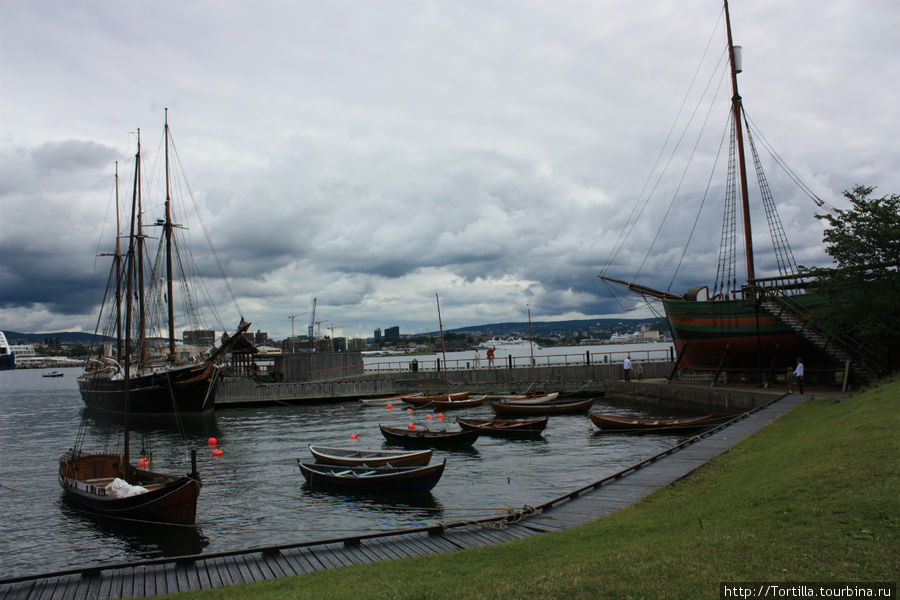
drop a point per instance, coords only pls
(144, 463)
(353, 436)
(409, 410)
(428, 417)
(390, 406)
(440, 415)
(212, 441)
(217, 452)
(412, 425)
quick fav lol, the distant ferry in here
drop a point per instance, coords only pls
(7, 356)
(498, 342)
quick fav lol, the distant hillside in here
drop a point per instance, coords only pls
(597, 328)
(66, 337)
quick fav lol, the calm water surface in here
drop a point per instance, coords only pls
(253, 494)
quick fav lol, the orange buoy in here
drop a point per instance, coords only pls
(390, 406)
(353, 436)
(440, 415)
(212, 441)
(144, 463)
(409, 410)
(217, 452)
(428, 417)
(342, 406)
(412, 426)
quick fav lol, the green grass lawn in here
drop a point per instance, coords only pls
(812, 497)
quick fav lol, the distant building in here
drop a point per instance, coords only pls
(392, 333)
(378, 335)
(202, 338)
(261, 338)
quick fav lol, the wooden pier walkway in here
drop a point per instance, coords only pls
(162, 576)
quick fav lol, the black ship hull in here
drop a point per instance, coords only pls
(188, 389)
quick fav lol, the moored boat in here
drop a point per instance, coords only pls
(764, 321)
(385, 400)
(356, 457)
(553, 407)
(107, 485)
(52, 374)
(373, 479)
(505, 427)
(429, 438)
(163, 378)
(531, 398)
(620, 424)
(445, 404)
(7, 356)
(421, 398)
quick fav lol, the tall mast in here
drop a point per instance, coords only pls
(167, 231)
(139, 237)
(531, 348)
(117, 265)
(134, 234)
(736, 108)
(443, 347)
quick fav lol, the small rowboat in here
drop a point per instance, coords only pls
(354, 457)
(553, 407)
(532, 399)
(616, 424)
(372, 479)
(429, 438)
(451, 404)
(505, 427)
(421, 398)
(387, 400)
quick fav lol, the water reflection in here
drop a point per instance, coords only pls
(148, 540)
(421, 505)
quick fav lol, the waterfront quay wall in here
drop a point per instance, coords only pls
(692, 397)
(581, 379)
(600, 379)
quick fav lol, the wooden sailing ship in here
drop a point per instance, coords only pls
(764, 323)
(161, 379)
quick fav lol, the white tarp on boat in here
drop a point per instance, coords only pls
(122, 489)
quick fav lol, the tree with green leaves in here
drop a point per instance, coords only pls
(863, 286)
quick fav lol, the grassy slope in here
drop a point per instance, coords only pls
(812, 497)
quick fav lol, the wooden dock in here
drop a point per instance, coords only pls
(205, 571)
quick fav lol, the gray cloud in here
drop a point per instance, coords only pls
(372, 154)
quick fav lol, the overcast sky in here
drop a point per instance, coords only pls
(374, 153)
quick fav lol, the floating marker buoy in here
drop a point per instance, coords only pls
(342, 406)
(217, 452)
(409, 410)
(440, 415)
(353, 436)
(428, 417)
(390, 406)
(412, 426)
(212, 441)
(144, 463)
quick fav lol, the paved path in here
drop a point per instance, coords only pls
(162, 576)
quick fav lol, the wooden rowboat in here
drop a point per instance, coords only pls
(387, 400)
(532, 399)
(372, 479)
(554, 407)
(505, 427)
(469, 402)
(355, 457)
(429, 438)
(616, 424)
(421, 398)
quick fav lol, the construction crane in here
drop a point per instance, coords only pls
(292, 317)
(332, 334)
(312, 321)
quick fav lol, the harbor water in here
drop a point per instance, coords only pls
(254, 494)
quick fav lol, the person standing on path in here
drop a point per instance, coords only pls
(490, 356)
(627, 366)
(477, 359)
(798, 374)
